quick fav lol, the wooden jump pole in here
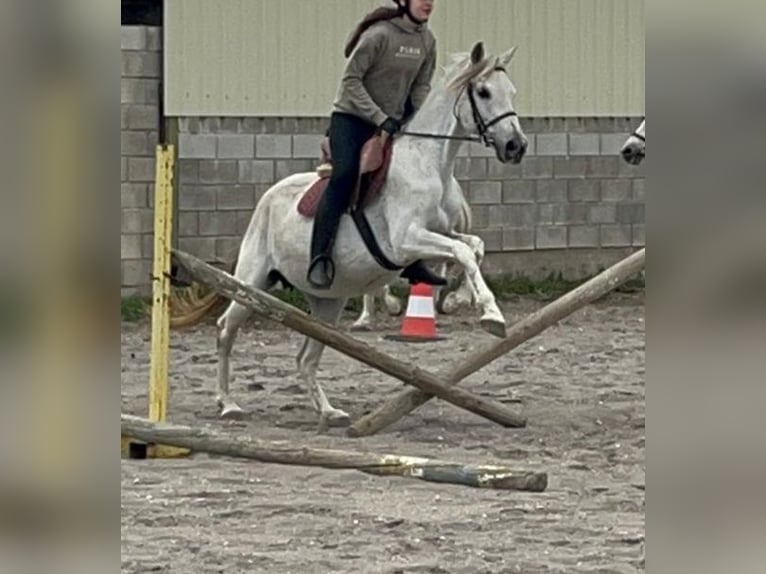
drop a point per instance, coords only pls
(282, 452)
(160, 344)
(272, 308)
(409, 399)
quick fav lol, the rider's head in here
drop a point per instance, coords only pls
(417, 10)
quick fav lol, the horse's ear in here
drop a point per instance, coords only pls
(477, 54)
(506, 58)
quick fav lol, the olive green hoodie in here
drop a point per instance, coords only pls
(393, 61)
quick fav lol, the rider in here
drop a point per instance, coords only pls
(387, 78)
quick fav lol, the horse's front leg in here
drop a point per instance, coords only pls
(423, 244)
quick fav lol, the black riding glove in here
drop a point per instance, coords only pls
(391, 126)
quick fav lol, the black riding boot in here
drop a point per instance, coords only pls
(321, 273)
(419, 273)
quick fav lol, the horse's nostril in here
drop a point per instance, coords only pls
(511, 148)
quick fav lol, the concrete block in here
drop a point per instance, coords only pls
(137, 220)
(624, 169)
(123, 169)
(124, 116)
(519, 191)
(217, 223)
(141, 169)
(188, 170)
(273, 146)
(616, 236)
(563, 213)
(492, 238)
(188, 125)
(476, 149)
(584, 144)
(583, 236)
(130, 221)
(188, 224)
(551, 237)
(202, 247)
(133, 38)
(546, 213)
(286, 167)
(236, 146)
(142, 117)
(480, 216)
(471, 168)
(603, 213)
(234, 197)
(611, 144)
(260, 190)
(639, 187)
(197, 198)
(639, 235)
(226, 248)
(515, 215)
(616, 189)
(196, 146)
(256, 171)
(217, 171)
(497, 170)
(551, 144)
(154, 38)
(485, 192)
(603, 166)
(147, 246)
(551, 190)
(141, 64)
(307, 146)
(243, 221)
(139, 91)
(631, 213)
(584, 190)
(230, 125)
(518, 239)
(537, 168)
(134, 195)
(136, 144)
(570, 167)
(136, 272)
(130, 247)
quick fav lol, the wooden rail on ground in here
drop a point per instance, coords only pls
(408, 400)
(282, 452)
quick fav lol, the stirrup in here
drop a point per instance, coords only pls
(328, 271)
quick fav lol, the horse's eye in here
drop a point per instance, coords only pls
(483, 93)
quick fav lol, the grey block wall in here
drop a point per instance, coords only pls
(140, 120)
(572, 191)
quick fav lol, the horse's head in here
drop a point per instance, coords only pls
(634, 149)
(485, 104)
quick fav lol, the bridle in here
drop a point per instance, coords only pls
(639, 136)
(481, 125)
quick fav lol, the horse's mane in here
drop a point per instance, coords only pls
(457, 75)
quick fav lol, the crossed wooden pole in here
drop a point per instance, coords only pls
(427, 384)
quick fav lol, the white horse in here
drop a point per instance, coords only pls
(461, 296)
(634, 149)
(410, 218)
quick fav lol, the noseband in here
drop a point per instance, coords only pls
(481, 125)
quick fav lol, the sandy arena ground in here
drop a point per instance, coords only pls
(580, 383)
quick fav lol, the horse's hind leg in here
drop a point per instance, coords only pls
(367, 317)
(228, 325)
(327, 310)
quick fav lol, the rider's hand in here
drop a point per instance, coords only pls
(391, 126)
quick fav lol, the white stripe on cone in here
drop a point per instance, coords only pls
(420, 307)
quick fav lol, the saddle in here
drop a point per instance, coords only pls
(374, 162)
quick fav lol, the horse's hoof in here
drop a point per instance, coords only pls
(494, 327)
(337, 418)
(231, 411)
(394, 309)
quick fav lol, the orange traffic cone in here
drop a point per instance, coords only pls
(419, 323)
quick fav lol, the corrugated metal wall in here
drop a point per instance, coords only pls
(284, 57)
